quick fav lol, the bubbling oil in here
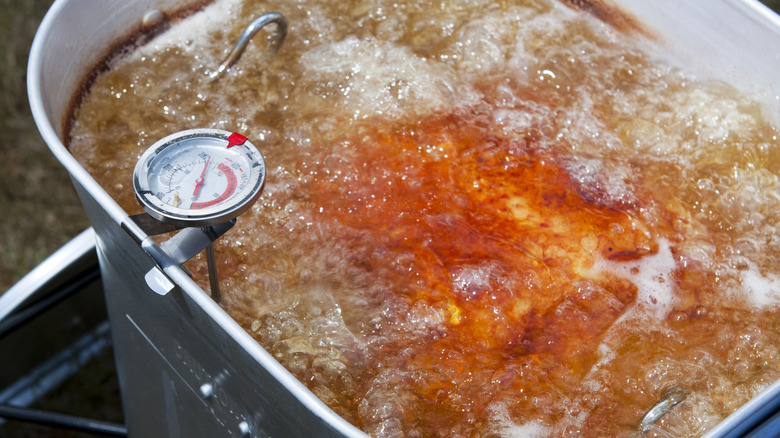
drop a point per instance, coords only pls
(481, 218)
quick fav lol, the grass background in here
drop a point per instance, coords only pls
(39, 209)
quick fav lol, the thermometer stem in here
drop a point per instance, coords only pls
(211, 260)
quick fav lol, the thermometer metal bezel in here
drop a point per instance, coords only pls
(224, 211)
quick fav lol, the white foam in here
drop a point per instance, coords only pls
(602, 182)
(760, 290)
(369, 77)
(190, 32)
(584, 130)
(515, 115)
(504, 426)
(715, 116)
(483, 46)
(652, 276)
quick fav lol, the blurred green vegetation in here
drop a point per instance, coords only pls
(40, 210)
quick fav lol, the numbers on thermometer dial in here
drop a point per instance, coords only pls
(200, 182)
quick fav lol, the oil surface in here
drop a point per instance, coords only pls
(481, 218)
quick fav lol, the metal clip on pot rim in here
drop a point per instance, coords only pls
(668, 401)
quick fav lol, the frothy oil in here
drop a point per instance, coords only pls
(481, 218)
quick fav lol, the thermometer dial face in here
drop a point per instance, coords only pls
(199, 177)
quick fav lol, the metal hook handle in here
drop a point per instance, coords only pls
(668, 401)
(248, 34)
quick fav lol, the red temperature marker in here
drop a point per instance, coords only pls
(235, 139)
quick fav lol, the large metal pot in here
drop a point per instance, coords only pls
(185, 367)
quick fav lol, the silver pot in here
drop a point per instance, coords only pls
(185, 367)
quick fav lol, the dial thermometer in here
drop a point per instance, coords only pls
(199, 177)
(199, 180)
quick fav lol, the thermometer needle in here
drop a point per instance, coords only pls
(199, 181)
